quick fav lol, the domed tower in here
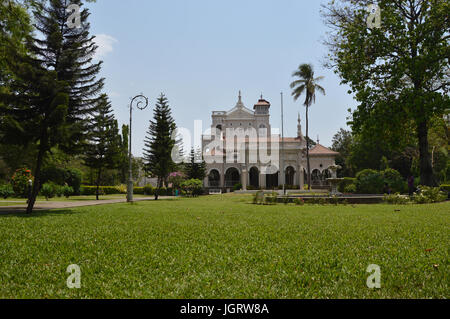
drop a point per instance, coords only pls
(262, 117)
(262, 107)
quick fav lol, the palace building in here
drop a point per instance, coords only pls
(242, 140)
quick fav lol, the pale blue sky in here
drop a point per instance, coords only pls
(200, 53)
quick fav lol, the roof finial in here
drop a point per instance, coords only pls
(239, 103)
(318, 140)
(261, 96)
(299, 120)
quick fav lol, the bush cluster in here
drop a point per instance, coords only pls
(62, 176)
(427, 195)
(396, 199)
(50, 190)
(370, 181)
(6, 191)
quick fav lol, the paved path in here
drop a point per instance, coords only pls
(43, 205)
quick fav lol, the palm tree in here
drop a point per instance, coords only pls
(306, 83)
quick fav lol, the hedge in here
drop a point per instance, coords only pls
(344, 183)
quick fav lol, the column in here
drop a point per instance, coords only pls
(244, 179)
(301, 178)
(222, 179)
(262, 180)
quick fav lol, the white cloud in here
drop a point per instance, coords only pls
(105, 45)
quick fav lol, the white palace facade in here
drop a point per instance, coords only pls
(236, 159)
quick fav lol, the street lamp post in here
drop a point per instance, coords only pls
(140, 100)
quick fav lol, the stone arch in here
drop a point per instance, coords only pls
(254, 177)
(214, 178)
(316, 177)
(289, 176)
(232, 177)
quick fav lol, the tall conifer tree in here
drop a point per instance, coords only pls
(54, 88)
(103, 149)
(196, 167)
(159, 143)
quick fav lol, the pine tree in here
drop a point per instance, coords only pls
(196, 167)
(159, 143)
(123, 162)
(103, 149)
(54, 87)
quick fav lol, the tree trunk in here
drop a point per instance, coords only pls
(98, 183)
(158, 187)
(308, 164)
(37, 180)
(426, 168)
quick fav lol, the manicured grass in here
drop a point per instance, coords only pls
(4, 202)
(224, 247)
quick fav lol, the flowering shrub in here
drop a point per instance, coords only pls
(426, 195)
(396, 199)
(176, 179)
(20, 181)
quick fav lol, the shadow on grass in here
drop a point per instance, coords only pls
(5, 213)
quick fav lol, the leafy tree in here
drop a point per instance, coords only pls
(398, 72)
(306, 83)
(342, 143)
(103, 147)
(159, 143)
(196, 167)
(54, 86)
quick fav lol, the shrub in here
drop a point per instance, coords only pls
(237, 187)
(59, 190)
(271, 199)
(176, 179)
(396, 199)
(122, 189)
(20, 181)
(61, 176)
(299, 202)
(67, 191)
(149, 190)
(192, 187)
(258, 198)
(73, 179)
(394, 180)
(369, 181)
(92, 190)
(6, 191)
(446, 189)
(138, 190)
(427, 195)
(346, 182)
(48, 190)
(350, 189)
(334, 200)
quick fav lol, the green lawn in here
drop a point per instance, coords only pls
(18, 201)
(225, 247)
